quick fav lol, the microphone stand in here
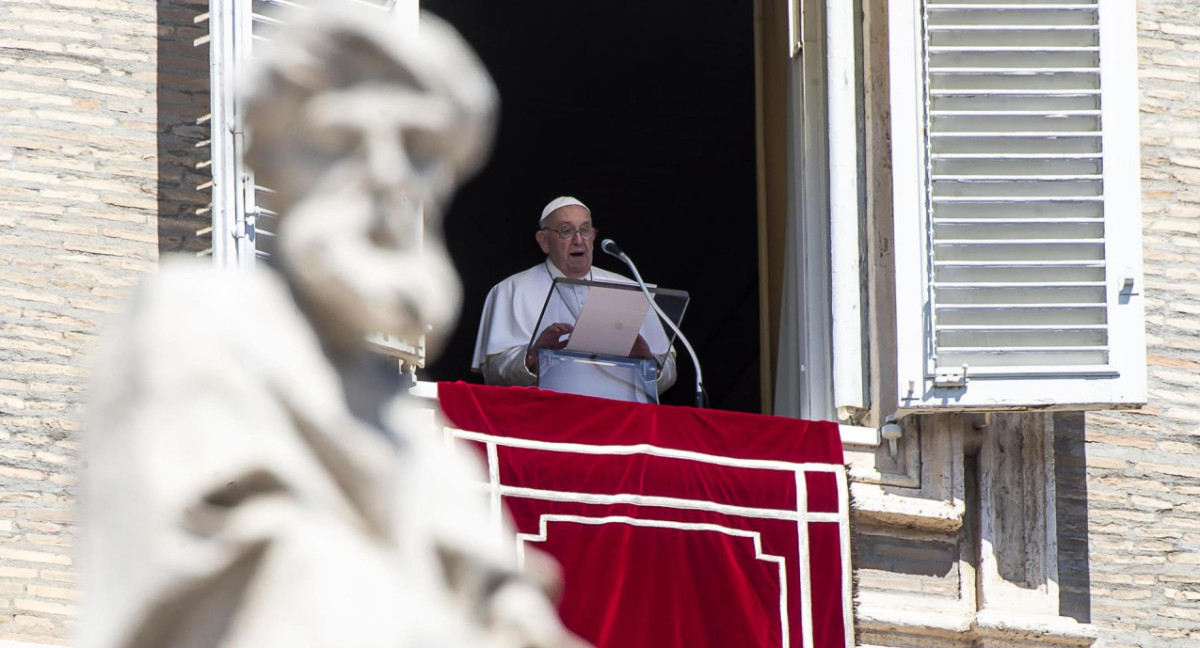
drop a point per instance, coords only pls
(611, 248)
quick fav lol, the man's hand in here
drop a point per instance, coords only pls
(641, 349)
(549, 339)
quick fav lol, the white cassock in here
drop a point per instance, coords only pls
(511, 313)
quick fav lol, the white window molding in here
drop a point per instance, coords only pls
(229, 37)
(845, 218)
(1016, 193)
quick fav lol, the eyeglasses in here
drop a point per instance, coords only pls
(566, 233)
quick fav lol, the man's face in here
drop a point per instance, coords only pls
(573, 256)
(356, 170)
(386, 140)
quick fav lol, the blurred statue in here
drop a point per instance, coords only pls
(253, 477)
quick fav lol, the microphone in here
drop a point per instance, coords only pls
(610, 246)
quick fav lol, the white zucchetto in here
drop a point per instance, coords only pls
(560, 202)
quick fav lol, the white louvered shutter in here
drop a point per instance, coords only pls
(1017, 206)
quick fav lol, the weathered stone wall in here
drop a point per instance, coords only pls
(98, 107)
(1143, 468)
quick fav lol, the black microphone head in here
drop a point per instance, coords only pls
(610, 246)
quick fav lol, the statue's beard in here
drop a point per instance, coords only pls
(361, 261)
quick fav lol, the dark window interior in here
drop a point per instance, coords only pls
(643, 109)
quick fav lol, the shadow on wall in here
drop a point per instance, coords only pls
(889, 551)
(182, 102)
(1070, 472)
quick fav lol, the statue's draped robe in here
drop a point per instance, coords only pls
(240, 491)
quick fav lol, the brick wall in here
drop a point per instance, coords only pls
(1143, 468)
(78, 224)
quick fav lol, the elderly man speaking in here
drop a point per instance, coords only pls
(503, 352)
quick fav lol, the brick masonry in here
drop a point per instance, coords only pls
(78, 225)
(99, 102)
(1142, 548)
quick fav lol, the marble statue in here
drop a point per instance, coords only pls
(252, 477)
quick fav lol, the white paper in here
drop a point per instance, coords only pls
(609, 322)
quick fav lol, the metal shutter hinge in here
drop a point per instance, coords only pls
(950, 377)
(246, 224)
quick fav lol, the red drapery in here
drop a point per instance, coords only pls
(674, 526)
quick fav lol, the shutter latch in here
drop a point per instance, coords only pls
(1127, 282)
(949, 378)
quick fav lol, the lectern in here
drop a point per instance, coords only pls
(597, 362)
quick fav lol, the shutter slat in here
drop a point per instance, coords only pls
(1024, 71)
(1013, 6)
(1023, 242)
(1021, 49)
(1014, 92)
(1015, 221)
(1003, 350)
(1056, 114)
(1045, 166)
(1027, 342)
(1018, 264)
(1008, 274)
(1013, 135)
(977, 285)
(1020, 314)
(1012, 306)
(1020, 295)
(998, 328)
(1016, 156)
(979, 200)
(1081, 369)
(1015, 178)
(982, 229)
(1048, 30)
(1023, 361)
(261, 19)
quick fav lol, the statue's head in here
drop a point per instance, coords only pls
(362, 128)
